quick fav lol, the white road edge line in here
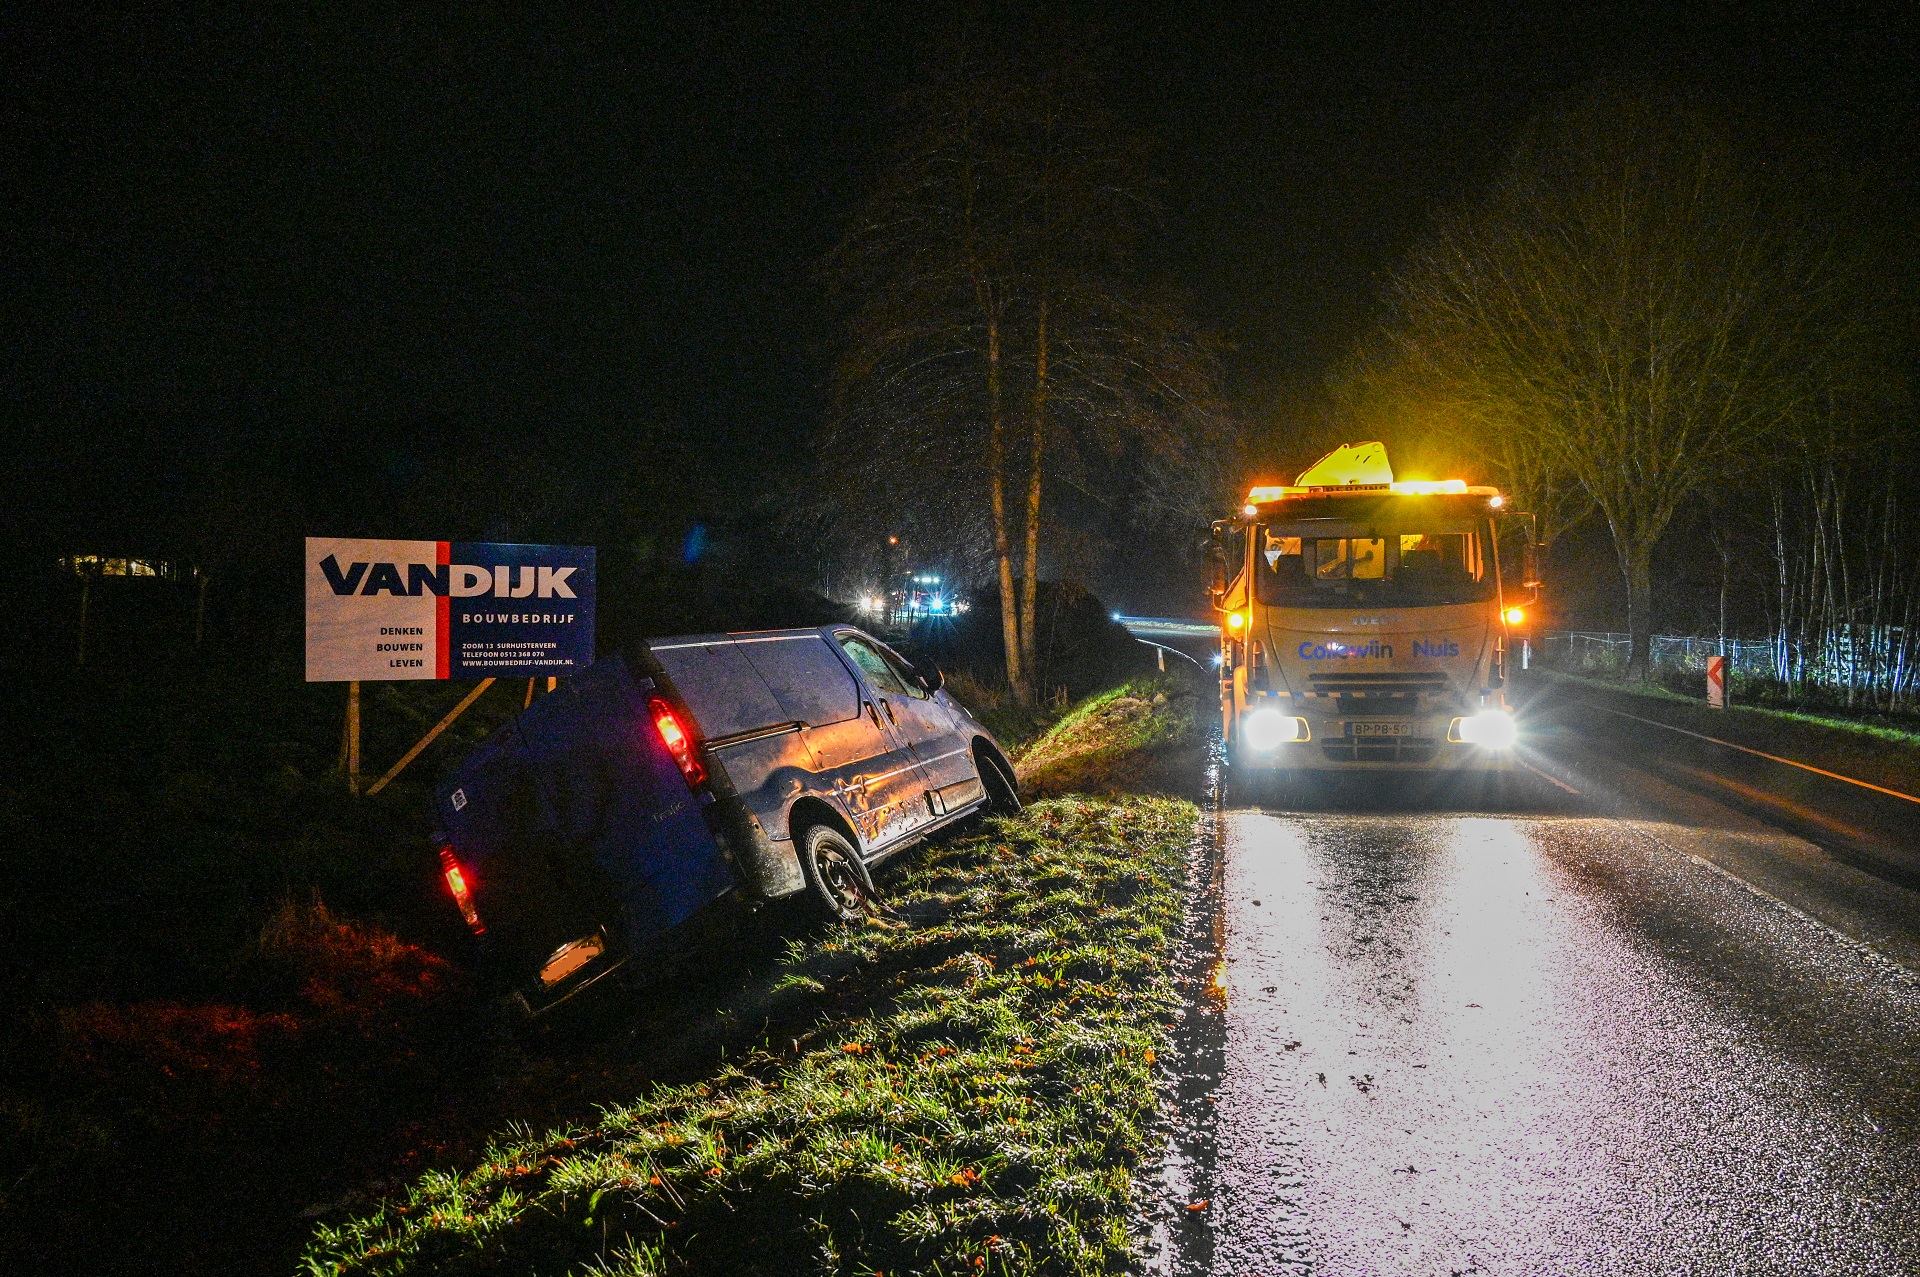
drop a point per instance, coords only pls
(1852, 942)
(1775, 758)
(1644, 827)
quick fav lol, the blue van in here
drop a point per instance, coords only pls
(684, 770)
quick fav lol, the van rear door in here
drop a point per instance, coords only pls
(748, 731)
(615, 789)
(576, 816)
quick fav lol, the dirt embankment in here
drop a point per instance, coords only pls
(1145, 736)
(962, 1086)
(339, 1072)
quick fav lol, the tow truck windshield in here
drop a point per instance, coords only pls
(1341, 562)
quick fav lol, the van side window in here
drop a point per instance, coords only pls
(904, 672)
(873, 665)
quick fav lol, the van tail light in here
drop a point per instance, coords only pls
(462, 894)
(674, 736)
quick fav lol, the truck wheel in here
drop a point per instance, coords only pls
(833, 872)
(1003, 799)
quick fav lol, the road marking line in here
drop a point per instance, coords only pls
(1864, 947)
(1550, 779)
(1775, 758)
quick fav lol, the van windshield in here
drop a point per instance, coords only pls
(1324, 563)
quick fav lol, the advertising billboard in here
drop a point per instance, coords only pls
(386, 610)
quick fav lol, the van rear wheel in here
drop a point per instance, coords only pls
(833, 873)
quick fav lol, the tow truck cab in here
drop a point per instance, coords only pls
(1365, 625)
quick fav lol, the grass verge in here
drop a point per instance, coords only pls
(1143, 735)
(1866, 751)
(970, 1094)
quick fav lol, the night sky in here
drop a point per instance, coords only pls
(390, 229)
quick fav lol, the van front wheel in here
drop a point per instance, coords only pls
(833, 873)
(1003, 795)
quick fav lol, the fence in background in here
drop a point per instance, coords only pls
(1875, 667)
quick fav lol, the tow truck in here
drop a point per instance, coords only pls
(1365, 625)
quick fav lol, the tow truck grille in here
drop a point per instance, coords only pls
(1376, 684)
(1382, 749)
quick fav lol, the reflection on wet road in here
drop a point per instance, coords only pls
(1556, 1041)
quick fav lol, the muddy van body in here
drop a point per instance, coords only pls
(686, 771)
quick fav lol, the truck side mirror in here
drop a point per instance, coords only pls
(1217, 534)
(930, 677)
(1530, 553)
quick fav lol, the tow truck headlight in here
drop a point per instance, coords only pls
(1265, 728)
(1489, 729)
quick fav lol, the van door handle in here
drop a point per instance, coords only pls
(888, 706)
(873, 714)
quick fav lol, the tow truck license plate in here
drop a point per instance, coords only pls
(1379, 729)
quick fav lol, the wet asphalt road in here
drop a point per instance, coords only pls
(1624, 1030)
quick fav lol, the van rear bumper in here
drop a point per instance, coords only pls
(770, 867)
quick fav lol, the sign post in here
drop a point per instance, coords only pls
(1717, 682)
(352, 762)
(428, 739)
(382, 611)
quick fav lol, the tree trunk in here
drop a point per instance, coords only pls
(86, 597)
(1724, 571)
(1030, 586)
(1783, 633)
(200, 612)
(1637, 565)
(1002, 542)
(1723, 544)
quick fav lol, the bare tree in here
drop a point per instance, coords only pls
(1629, 311)
(1844, 569)
(1377, 392)
(992, 300)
